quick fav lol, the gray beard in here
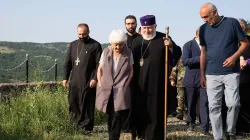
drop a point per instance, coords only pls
(149, 38)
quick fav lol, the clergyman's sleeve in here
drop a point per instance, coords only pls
(131, 59)
(67, 64)
(98, 54)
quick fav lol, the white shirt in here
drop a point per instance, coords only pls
(198, 42)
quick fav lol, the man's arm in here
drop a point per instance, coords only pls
(203, 66)
(67, 67)
(130, 75)
(131, 70)
(243, 41)
(187, 58)
(94, 73)
(67, 64)
(229, 62)
(97, 59)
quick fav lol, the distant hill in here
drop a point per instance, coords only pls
(41, 55)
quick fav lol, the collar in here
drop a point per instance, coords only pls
(222, 18)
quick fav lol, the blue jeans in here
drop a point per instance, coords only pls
(217, 85)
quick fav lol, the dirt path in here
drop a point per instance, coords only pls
(176, 131)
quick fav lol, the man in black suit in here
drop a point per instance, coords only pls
(191, 81)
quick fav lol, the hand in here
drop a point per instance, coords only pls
(92, 83)
(229, 62)
(243, 64)
(65, 83)
(203, 81)
(167, 42)
(172, 83)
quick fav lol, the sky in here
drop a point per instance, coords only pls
(46, 21)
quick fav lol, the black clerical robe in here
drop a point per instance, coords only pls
(129, 120)
(150, 83)
(81, 97)
(130, 39)
(243, 123)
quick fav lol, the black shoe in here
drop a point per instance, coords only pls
(205, 133)
(133, 138)
(231, 137)
(173, 114)
(141, 138)
(85, 132)
(190, 127)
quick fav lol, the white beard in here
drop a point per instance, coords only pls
(149, 38)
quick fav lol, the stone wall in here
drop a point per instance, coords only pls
(15, 88)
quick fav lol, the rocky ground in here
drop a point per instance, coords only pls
(176, 131)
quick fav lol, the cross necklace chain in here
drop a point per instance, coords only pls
(77, 61)
(142, 54)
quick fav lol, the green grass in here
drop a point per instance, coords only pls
(43, 114)
(40, 114)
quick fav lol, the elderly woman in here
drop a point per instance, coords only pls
(114, 75)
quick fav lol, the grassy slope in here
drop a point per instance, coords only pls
(42, 114)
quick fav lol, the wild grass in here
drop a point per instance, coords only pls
(39, 114)
(42, 114)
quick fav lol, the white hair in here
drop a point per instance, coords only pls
(117, 36)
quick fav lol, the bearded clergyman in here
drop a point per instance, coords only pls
(149, 74)
(80, 67)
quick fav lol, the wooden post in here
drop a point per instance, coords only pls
(166, 88)
(27, 68)
(55, 70)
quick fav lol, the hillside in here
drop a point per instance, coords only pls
(41, 55)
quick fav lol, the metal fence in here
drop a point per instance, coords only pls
(27, 64)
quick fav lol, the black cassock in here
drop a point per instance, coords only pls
(131, 39)
(81, 97)
(243, 123)
(129, 119)
(149, 84)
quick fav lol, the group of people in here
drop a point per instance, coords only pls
(127, 79)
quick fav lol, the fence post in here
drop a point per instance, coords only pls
(55, 69)
(27, 68)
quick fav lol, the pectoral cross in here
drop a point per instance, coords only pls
(77, 61)
(141, 62)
